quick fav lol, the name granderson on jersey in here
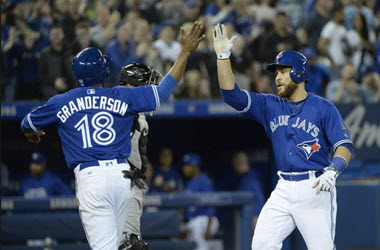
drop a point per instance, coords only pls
(92, 102)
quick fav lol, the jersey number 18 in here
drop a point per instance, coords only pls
(103, 133)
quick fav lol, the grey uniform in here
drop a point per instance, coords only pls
(137, 159)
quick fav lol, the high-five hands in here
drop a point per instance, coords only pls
(190, 40)
(222, 45)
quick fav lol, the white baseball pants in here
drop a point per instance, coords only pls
(197, 227)
(295, 204)
(102, 193)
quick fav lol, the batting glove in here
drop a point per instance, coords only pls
(222, 45)
(326, 182)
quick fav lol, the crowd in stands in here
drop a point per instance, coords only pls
(340, 38)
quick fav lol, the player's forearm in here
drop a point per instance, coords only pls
(341, 159)
(344, 153)
(179, 66)
(226, 77)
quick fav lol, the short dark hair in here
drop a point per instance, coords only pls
(55, 26)
(82, 25)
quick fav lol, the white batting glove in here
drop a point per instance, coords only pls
(326, 182)
(222, 45)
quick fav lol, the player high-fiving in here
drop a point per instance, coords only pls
(303, 128)
(94, 124)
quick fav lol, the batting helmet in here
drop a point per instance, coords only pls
(139, 74)
(295, 60)
(90, 67)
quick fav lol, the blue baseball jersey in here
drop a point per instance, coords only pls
(199, 184)
(46, 185)
(94, 123)
(302, 134)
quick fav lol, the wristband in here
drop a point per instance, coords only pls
(339, 163)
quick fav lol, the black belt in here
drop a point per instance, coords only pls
(97, 164)
(299, 177)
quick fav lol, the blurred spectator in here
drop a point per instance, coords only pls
(82, 38)
(148, 177)
(362, 43)
(191, 11)
(165, 177)
(371, 85)
(248, 181)
(54, 69)
(259, 83)
(345, 90)
(71, 19)
(278, 39)
(264, 10)
(42, 183)
(41, 19)
(333, 40)
(315, 23)
(245, 21)
(220, 11)
(122, 50)
(240, 176)
(201, 221)
(9, 41)
(60, 10)
(104, 29)
(356, 7)
(194, 86)
(143, 38)
(170, 9)
(166, 45)
(293, 9)
(319, 75)
(28, 53)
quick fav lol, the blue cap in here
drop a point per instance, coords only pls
(37, 157)
(192, 159)
(309, 52)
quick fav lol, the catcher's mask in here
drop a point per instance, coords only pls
(139, 74)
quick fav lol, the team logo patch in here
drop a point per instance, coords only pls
(344, 128)
(309, 147)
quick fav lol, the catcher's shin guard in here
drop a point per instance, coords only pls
(133, 242)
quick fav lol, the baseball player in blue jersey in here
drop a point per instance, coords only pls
(94, 124)
(201, 221)
(303, 128)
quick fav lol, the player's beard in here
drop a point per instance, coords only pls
(287, 90)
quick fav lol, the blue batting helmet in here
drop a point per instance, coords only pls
(295, 60)
(90, 67)
(192, 159)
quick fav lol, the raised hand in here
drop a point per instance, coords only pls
(222, 45)
(191, 39)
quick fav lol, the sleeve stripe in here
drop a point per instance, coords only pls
(249, 102)
(342, 142)
(156, 97)
(30, 123)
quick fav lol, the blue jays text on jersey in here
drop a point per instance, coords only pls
(91, 118)
(301, 133)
